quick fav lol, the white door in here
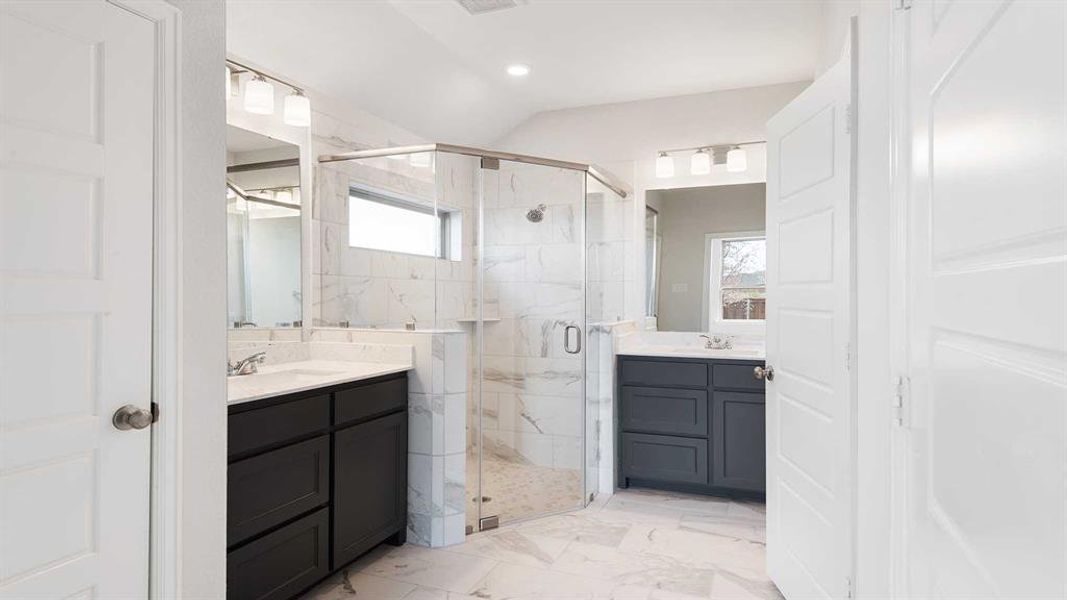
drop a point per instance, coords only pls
(76, 223)
(809, 400)
(986, 277)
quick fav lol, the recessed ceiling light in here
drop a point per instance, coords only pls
(518, 70)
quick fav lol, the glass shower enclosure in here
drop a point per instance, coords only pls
(513, 257)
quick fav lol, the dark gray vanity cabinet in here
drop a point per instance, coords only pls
(691, 424)
(315, 480)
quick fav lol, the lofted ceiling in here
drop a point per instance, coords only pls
(438, 71)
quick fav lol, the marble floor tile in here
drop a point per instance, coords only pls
(444, 570)
(743, 528)
(694, 546)
(514, 546)
(634, 545)
(582, 526)
(690, 503)
(638, 570)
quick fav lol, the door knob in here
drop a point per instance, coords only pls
(764, 373)
(131, 417)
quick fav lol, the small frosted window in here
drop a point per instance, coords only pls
(381, 223)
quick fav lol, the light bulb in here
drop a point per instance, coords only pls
(736, 160)
(664, 165)
(229, 82)
(420, 159)
(297, 109)
(700, 163)
(259, 96)
(518, 70)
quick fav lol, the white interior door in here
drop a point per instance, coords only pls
(76, 227)
(986, 338)
(809, 400)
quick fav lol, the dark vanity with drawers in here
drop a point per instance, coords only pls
(316, 479)
(692, 425)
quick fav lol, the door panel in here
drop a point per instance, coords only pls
(531, 369)
(76, 199)
(986, 336)
(809, 323)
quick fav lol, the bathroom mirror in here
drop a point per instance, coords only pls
(263, 205)
(706, 258)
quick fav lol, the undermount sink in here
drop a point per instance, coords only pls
(286, 375)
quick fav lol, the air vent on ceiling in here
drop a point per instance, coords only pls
(479, 7)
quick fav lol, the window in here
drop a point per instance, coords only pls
(738, 277)
(392, 224)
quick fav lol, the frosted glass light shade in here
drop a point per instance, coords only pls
(700, 163)
(736, 160)
(297, 110)
(664, 165)
(259, 96)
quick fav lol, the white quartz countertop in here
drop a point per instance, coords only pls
(286, 378)
(744, 353)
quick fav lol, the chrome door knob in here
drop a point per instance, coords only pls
(131, 417)
(764, 373)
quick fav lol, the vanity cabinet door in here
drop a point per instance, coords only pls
(738, 452)
(664, 458)
(664, 410)
(370, 485)
(271, 488)
(282, 563)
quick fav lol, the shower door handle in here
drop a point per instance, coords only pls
(577, 338)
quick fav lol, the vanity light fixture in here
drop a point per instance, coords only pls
(518, 70)
(259, 96)
(700, 162)
(664, 165)
(297, 109)
(732, 156)
(736, 160)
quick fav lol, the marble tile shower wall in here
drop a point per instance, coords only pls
(437, 398)
(371, 288)
(531, 388)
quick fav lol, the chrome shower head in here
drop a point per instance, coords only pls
(535, 215)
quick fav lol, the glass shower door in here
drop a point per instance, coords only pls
(529, 371)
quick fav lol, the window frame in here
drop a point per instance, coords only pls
(444, 248)
(712, 318)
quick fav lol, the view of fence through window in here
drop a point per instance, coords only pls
(744, 279)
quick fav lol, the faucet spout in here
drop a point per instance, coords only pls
(246, 366)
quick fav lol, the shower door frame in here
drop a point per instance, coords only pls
(583, 323)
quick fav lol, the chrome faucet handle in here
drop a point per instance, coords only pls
(246, 366)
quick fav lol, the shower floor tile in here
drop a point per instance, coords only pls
(518, 491)
(634, 545)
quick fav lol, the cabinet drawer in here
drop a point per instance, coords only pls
(664, 458)
(281, 564)
(273, 487)
(258, 428)
(663, 373)
(739, 455)
(739, 377)
(665, 410)
(370, 400)
(370, 490)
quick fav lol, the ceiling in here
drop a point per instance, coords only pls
(438, 71)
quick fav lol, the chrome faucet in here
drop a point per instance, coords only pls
(718, 342)
(246, 366)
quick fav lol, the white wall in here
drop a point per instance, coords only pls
(685, 217)
(835, 19)
(201, 509)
